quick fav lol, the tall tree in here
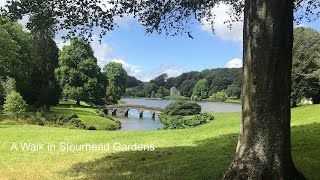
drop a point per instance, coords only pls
(264, 146)
(160, 80)
(117, 81)
(45, 89)
(201, 89)
(16, 54)
(186, 87)
(149, 88)
(78, 72)
(306, 62)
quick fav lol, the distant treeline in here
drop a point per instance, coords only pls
(222, 79)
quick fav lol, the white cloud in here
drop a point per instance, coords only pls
(102, 51)
(132, 70)
(170, 70)
(234, 63)
(300, 25)
(146, 75)
(221, 29)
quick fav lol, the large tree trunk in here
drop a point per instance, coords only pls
(264, 146)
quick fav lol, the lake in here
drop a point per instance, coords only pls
(133, 122)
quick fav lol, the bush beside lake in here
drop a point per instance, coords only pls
(180, 122)
(182, 108)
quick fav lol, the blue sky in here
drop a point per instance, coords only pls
(147, 56)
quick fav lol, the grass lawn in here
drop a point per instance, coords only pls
(231, 100)
(177, 97)
(203, 152)
(85, 113)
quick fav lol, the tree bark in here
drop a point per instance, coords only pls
(78, 103)
(264, 145)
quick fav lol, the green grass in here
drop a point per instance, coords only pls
(203, 152)
(231, 100)
(85, 113)
(177, 97)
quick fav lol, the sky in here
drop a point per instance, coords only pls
(146, 56)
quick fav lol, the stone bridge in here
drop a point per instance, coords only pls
(127, 107)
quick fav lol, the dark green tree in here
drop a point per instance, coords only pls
(133, 82)
(234, 91)
(160, 80)
(218, 84)
(45, 89)
(306, 62)
(117, 78)
(186, 88)
(78, 72)
(16, 54)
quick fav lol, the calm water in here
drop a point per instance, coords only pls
(133, 122)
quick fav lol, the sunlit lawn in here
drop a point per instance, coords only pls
(203, 152)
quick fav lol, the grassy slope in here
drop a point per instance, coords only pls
(200, 153)
(86, 114)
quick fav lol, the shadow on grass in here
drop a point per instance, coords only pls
(208, 159)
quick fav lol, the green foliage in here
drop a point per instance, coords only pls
(218, 97)
(149, 88)
(14, 105)
(8, 86)
(38, 119)
(160, 80)
(201, 90)
(112, 96)
(91, 128)
(186, 88)
(78, 72)
(67, 121)
(306, 65)
(233, 91)
(182, 108)
(180, 122)
(132, 82)
(117, 79)
(135, 92)
(45, 89)
(16, 54)
(219, 84)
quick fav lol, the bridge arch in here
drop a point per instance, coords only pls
(126, 108)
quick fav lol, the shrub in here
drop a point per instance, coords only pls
(218, 97)
(38, 119)
(101, 113)
(14, 105)
(180, 122)
(91, 128)
(74, 115)
(70, 121)
(182, 108)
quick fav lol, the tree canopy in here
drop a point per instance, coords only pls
(78, 72)
(306, 64)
